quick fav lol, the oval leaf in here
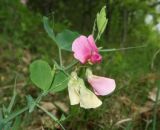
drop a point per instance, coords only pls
(48, 29)
(101, 21)
(41, 74)
(65, 39)
(60, 82)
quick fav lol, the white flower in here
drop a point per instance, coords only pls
(78, 93)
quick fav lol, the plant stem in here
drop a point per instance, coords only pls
(60, 57)
(51, 115)
(71, 65)
(155, 106)
(96, 38)
(94, 27)
(121, 49)
(40, 96)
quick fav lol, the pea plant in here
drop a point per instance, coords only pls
(58, 77)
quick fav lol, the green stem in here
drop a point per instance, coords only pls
(121, 49)
(155, 107)
(50, 115)
(71, 65)
(96, 39)
(60, 57)
(94, 27)
(40, 96)
(62, 68)
(100, 32)
(14, 115)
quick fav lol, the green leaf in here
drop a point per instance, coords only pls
(101, 21)
(41, 74)
(17, 124)
(62, 118)
(60, 82)
(48, 29)
(31, 103)
(65, 39)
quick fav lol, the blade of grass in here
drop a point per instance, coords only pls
(1, 115)
(7, 126)
(155, 106)
(13, 97)
(15, 114)
(1, 119)
(17, 123)
(129, 126)
(154, 57)
(51, 115)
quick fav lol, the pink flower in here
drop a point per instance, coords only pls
(101, 85)
(85, 50)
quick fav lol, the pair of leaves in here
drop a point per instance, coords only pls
(45, 78)
(101, 21)
(64, 39)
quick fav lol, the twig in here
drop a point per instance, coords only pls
(123, 121)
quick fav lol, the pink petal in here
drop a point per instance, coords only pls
(92, 43)
(86, 50)
(96, 57)
(102, 85)
(81, 49)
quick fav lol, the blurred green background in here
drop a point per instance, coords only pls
(131, 23)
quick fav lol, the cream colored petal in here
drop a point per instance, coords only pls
(73, 89)
(87, 98)
(73, 95)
